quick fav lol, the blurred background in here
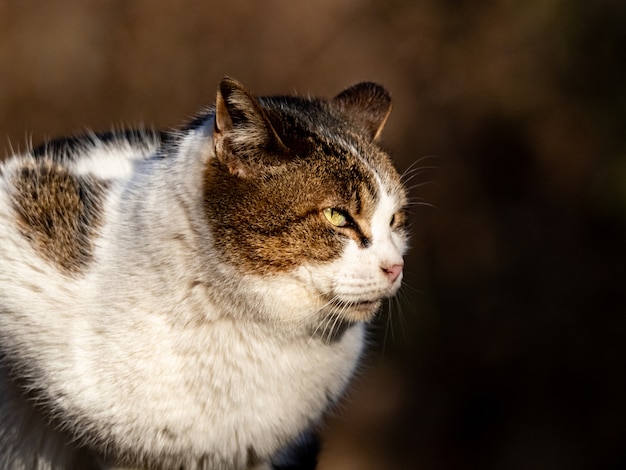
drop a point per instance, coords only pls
(506, 346)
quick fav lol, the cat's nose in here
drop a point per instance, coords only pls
(393, 272)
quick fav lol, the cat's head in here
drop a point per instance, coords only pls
(299, 190)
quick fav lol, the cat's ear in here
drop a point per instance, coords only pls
(369, 103)
(243, 135)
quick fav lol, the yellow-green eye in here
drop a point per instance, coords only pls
(336, 217)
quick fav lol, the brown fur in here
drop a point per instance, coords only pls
(59, 213)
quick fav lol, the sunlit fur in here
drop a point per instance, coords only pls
(180, 300)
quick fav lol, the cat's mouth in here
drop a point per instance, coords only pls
(357, 310)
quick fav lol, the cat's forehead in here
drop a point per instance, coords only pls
(361, 171)
(319, 132)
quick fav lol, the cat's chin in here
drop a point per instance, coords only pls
(360, 311)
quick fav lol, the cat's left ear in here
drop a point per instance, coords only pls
(369, 103)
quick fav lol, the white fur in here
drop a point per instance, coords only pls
(107, 162)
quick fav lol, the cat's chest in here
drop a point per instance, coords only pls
(235, 387)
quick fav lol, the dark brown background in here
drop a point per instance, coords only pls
(506, 349)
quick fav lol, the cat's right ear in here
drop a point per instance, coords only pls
(369, 104)
(242, 134)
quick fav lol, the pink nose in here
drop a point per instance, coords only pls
(393, 272)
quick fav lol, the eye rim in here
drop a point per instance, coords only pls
(328, 213)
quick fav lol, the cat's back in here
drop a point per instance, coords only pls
(56, 201)
(53, 199)
(104, 155)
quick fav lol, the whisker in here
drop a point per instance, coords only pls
(415, 165)
(422, 204)
(406, 286)
(402, 295)
(388, 326)
(419, 185)
(324, 322)
(328, 322)
(417, 172)
(336, 321)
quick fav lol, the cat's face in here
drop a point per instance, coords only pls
(300, 188)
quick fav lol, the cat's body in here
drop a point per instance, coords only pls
(194, 299)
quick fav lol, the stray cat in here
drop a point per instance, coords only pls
(193, 299)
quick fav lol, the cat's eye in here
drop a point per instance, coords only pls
(336, 217)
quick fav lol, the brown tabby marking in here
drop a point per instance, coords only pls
(287, 228)
(59, 213)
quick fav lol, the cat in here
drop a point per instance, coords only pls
(195, 298)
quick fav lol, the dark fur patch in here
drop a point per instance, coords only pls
(59, 213)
